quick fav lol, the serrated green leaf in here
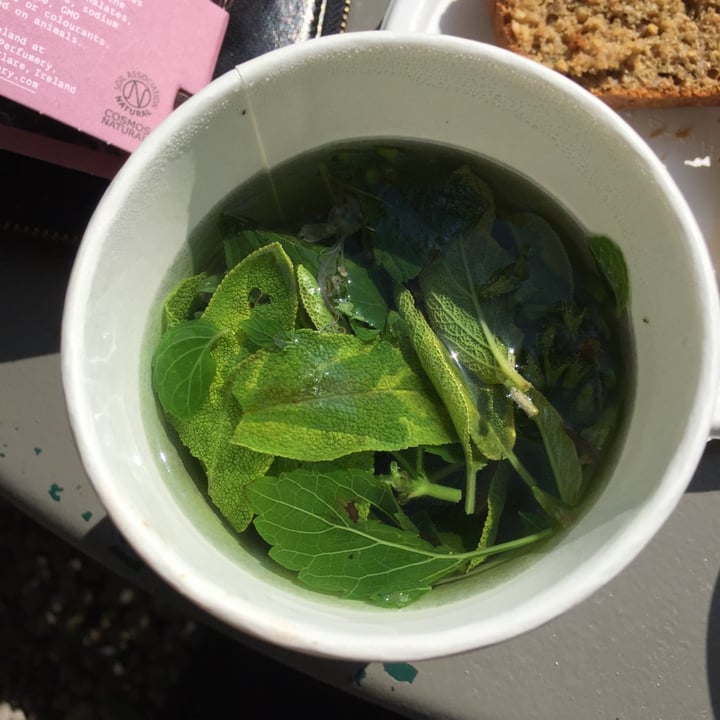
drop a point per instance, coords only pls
(265, 331)
(183, 367)
(315, 527)
(328, 395)
(336, 530)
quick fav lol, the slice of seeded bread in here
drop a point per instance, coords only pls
(641, 53)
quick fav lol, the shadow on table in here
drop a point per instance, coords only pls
(706, 477)
(713, 651)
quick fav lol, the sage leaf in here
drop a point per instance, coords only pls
(451, 387)
(464, 336)
(265, 273)
(481, 333)
(495, 434)
(179, 303)
(313, 302)
(611, 262)
(263, 282)
(327, 395)
(183, 367)
(496, 497)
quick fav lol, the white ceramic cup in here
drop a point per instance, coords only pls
(366, 85)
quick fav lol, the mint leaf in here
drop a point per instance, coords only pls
(326, 527)
(182, 366)
(343, 532)
(328, 395)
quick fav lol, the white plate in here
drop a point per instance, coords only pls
(687, 140)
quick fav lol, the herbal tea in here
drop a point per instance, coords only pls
(406, 365)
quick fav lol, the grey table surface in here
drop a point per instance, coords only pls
(646, 646)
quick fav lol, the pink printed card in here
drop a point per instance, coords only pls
(110, 68)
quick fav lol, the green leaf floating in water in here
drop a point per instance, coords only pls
(560, 448)
(246, 240)
(264, 282)
(549, 271)
(351, 289)
(313, 302)
(481, 333)
(326, 395)
(496, 497)
(610, 260)
(179, 303)
(454, 391)
(413, 223)
(183, 366)
(344, 284)
(325, 526)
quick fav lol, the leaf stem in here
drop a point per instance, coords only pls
(554, 508)
(511, 552)
(510, 545)
(445, 471)
(508, 370)
(521, 470)
(439, 492)
(419, 485)
(470, 487)
(401, 460)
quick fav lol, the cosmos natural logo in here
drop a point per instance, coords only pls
(136, 94)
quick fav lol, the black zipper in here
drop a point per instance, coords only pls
(335, 17)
